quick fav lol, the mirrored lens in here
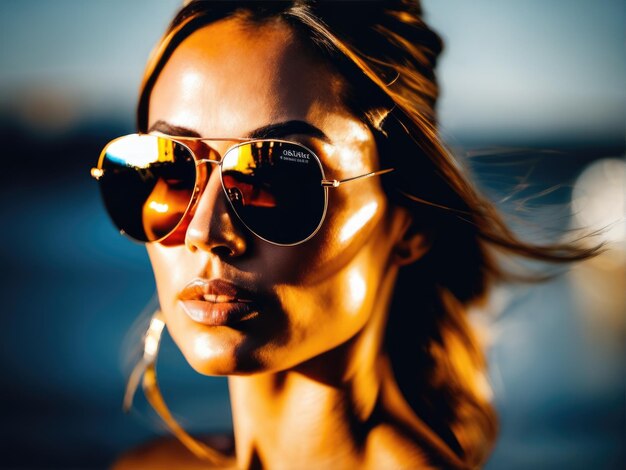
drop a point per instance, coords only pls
(275, 189)
(147, 184)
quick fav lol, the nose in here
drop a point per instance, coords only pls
(212, 227)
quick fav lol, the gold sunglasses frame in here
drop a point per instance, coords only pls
(98, 172)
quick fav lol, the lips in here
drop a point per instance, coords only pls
(217, 302)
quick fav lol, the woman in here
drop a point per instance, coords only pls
(310, 236)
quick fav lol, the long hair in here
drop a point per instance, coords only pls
(387, 55)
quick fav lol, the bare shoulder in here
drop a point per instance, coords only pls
(387, 446)
(167, 452)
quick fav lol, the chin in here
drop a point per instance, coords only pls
(246, 348)
(261, 346)
(220, 351)
(233, 353)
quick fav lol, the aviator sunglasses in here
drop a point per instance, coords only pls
(276, 188)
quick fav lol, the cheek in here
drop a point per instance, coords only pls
(347, 274)
(355, 216)
(327, 314)
(341, 295)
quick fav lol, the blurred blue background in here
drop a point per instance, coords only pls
(533, 98)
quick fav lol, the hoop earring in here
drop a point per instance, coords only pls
(145, 371)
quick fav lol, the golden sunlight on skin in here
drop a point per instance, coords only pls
(191, 80)
(323, 303)
(348, 158)
(356, 293)
(357, 221)
(204, 348)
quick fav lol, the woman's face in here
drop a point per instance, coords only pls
(247, 305)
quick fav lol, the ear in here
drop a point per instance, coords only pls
(412, 244)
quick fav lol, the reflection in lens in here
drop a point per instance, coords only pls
(275, 189)
(147, 184)
(163, 209)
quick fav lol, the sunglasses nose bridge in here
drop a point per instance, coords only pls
(208, 161)
(204, 174)
(203, 177)
(210, 226)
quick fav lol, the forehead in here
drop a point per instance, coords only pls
(231, 76)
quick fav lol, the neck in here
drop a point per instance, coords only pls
(318, 412)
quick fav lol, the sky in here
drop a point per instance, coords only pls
(510, 68)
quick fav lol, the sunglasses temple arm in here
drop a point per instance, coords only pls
(336, 183)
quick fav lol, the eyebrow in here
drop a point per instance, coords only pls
(276, 130)
(170, 129)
